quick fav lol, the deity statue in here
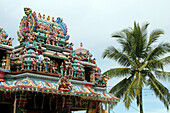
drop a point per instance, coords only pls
(46, 65)
(64, 84)
(62, 69)
(34, 64)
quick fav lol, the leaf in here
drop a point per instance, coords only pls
(139, 83)
(119, 89)
(162, 75)
(118, 72)
(129, 94)
(155, 34)
(158, 51)
(112, 53)
(160, 91)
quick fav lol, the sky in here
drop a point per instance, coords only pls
(92, 22)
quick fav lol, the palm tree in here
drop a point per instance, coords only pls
(143, 64)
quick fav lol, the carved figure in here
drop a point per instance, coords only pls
(31, 37)
(64, 84)
(70, 70)
(20, 37)
(23, 64)
(51, 66)
(53, 40)
(48, 39)
(62, 69)
(55, 67)
(70, 46)
(41, 66)
(10, 41)
(46, 64)
(57, 41)
(105, 79)
(34, 64)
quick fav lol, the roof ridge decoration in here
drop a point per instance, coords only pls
(42, 28)
(52, 88)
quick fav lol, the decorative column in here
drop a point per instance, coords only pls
(20, 102)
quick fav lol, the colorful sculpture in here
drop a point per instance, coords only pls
(3, 38)
(64, 84)
(38, 39)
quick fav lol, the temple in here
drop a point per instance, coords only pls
(44, 74)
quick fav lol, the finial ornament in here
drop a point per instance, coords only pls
(39, 15)
(34, 12)
(48, 18)
(81, 44)
(44, 16)
(53, 19)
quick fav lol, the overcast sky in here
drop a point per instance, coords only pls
(92, 22)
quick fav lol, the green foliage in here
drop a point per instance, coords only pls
(140, 58)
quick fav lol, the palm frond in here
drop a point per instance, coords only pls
(158, 51)
(165, 60)
(160, 91)
(119, 89)
(118, 72)
(155, 64)
(129, 94)
(144, 27)
(124, 38)
(154, 37)
(112, 53)
(140, 40)
(139, 85)
(162, 75)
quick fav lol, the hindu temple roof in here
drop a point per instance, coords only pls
(46, 62)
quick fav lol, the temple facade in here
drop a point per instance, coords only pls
(44, 74)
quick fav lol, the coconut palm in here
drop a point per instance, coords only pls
(142, 62)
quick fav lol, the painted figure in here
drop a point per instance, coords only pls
(62, 69)
(34, 64)
(41, 66)
(46, 63)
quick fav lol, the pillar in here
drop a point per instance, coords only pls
(20, 102)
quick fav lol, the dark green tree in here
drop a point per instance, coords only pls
(142, 62)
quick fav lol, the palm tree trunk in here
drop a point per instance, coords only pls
(141, 103)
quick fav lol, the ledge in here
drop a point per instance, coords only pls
(56, 48)
(100, 88)
(43, 75)
(6, 47)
